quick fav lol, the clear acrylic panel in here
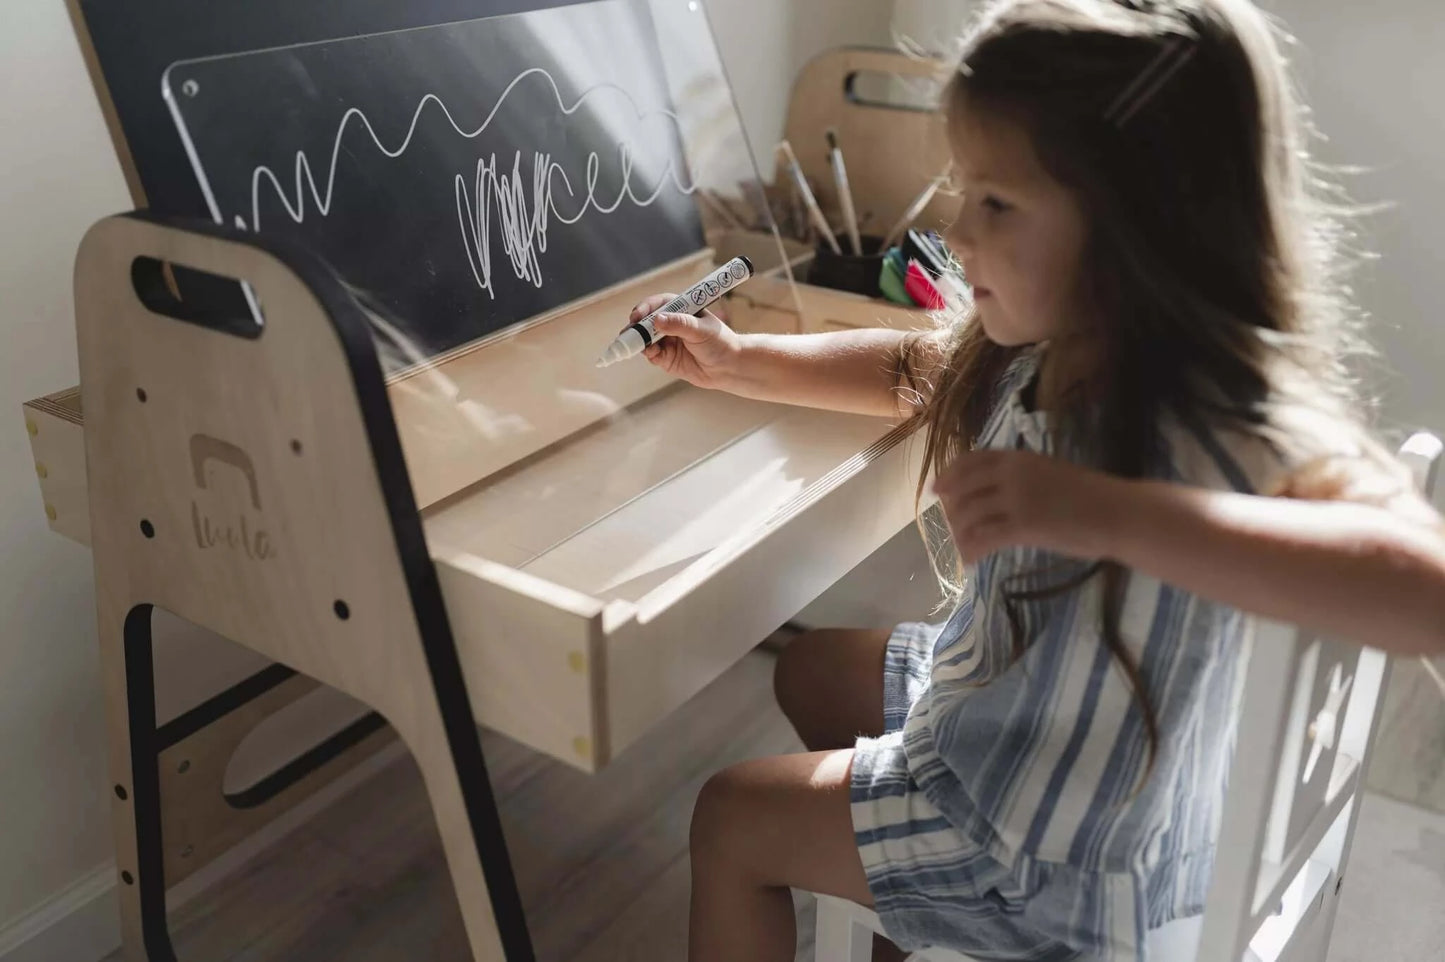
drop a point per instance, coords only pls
(468, 176)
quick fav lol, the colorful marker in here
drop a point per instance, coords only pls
(921, 288)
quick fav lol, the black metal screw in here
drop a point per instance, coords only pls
(343, 611)
(184, 766)
(147, 529)
(295, 446)
(120, 792)
(140, 392)
(127, 878)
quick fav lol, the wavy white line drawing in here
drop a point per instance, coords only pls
(524, 233)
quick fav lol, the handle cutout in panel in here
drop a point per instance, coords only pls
(195, 296)
(891, 91)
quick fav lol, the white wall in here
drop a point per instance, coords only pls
(934, 25)
(57, 175)
(764, 42)
(1373, 74)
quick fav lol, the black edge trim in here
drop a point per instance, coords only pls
(140, 696)
(304, 764)
(185, 725)
(422, 583)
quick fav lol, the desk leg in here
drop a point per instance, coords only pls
(449, 757)
(444, 742)
(127, 663)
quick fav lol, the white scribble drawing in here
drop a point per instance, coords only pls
(491, 191)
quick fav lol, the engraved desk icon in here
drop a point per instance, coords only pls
(240, 534)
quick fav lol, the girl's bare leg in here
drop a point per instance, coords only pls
(830, 685)
(759, 828)
(766, 825)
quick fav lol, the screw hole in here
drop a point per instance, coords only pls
(127, 878)
(184, 766)
(343, 611)
(140, 392)
(120, 793)
(147, 529)
(295, 446)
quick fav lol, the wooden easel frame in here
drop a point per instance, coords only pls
(156, 384)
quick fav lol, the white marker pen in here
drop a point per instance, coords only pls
(637, 336)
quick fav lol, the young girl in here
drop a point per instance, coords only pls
(1041, 776)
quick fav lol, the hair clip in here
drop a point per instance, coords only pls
(1176, 53)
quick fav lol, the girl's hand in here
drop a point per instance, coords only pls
(702, 350)
(998, 499)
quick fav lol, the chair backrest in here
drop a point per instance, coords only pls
(1307, 722)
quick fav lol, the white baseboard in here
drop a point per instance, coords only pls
(82, 923)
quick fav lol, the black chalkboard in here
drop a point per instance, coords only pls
(245, 111)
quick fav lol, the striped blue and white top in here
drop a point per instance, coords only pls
(1039, 759)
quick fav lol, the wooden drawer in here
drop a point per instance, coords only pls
(57, 440)
(594, 590)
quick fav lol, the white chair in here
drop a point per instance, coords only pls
(1307, 723)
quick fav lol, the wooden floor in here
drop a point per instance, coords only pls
(601, 860)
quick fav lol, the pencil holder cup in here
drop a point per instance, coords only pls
(848, 271)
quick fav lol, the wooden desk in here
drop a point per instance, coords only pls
(569, 584)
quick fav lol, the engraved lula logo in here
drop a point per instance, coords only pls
(237, 530)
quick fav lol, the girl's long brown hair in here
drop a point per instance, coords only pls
(1212, 260)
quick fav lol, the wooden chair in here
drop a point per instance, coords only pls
(1290, 814)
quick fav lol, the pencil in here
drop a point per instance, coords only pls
(808, 200)
(845, 196)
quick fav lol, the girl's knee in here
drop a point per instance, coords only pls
(829, 684)
(797, 673)
(789, 674)
(782, 820)
(720, 807)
